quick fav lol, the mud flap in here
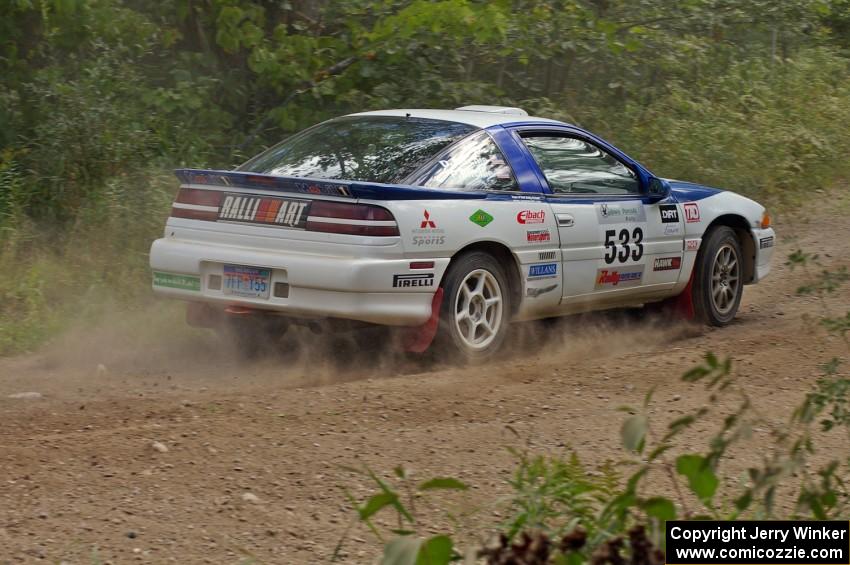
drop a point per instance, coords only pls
(682, 306)
(679, 307)
(417, 339)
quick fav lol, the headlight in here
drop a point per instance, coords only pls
(765, 220)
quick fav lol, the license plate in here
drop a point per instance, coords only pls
(250, 282)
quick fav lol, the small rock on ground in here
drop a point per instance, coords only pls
(27, 395)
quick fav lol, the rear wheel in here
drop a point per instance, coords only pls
(476, 307)
(718, 282)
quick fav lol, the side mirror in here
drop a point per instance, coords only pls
(659, 189)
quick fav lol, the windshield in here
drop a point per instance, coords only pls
(381, 149)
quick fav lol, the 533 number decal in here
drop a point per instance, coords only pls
(623, 246)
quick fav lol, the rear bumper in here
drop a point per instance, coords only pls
(320, 286)
(764, 241)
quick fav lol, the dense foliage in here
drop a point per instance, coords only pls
(99, 99)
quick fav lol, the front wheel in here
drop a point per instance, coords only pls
(476, 307)
(718, 281)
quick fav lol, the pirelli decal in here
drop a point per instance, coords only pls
(251, 209)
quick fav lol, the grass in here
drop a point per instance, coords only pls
(52, 280)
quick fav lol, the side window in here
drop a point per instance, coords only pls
(575, 166)
(473, 164)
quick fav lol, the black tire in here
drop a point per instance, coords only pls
(718, 277)
(254, 336)
(487, 303)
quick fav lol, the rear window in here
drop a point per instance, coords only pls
(364, 148)
(472, 164)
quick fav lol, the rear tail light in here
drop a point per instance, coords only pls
(324, 216)
(196, 204)
(351, 219)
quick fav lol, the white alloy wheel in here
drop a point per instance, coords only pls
(718, 278)
(478, 309)
(725, 279)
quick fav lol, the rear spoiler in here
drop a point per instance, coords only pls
(319, 187)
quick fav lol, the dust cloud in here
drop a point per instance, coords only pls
(152, 346)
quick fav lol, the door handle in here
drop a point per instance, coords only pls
(565, 220)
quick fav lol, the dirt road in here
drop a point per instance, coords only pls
(81, 480)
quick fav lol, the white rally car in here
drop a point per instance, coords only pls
(450, 224)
